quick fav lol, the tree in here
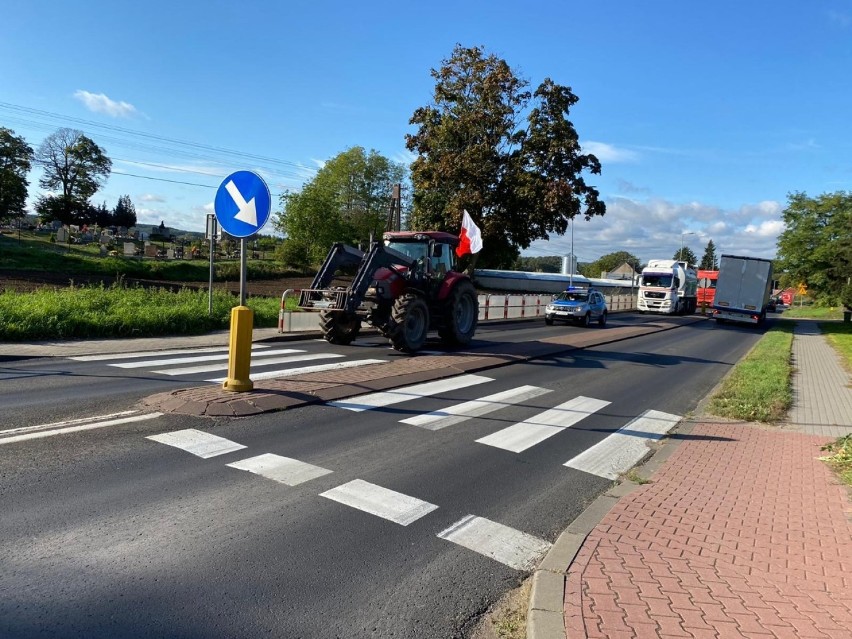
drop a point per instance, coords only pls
(548, 264)
(610, 262)
(16, 158)
(103, 217)
(347, 201)
(685, 255)
(124, 213)
(519, 182)
(709, 262)
(815, 249)
(76, 167)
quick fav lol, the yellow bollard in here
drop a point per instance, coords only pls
(239, 351)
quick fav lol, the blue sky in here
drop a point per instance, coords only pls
(704, 115)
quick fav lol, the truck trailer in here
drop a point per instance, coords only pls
(668, 286)
(742, 290)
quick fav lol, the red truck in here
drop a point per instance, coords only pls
(707, 287)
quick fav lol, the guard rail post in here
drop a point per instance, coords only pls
(281, 311)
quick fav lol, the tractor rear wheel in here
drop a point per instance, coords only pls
(461, 315)
(409, 323)
(339, 328)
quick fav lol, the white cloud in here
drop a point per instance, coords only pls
(609, 153)
(100, 103)
(651, 229)
(150, 197)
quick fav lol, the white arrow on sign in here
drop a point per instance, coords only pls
(247, 210)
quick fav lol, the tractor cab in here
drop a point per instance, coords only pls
(433, 252)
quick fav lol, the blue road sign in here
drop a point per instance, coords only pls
(242, 204)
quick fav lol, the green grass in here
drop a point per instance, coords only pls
(120, 311)
(35, 253)
(814, 312)
(840, 458)
(839, 335)
(758, 389)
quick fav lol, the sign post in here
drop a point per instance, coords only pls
(242, 206)
(213, 234)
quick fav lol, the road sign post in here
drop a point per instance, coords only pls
(242, 206)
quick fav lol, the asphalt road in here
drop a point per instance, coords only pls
(107, 533)
(50, 389)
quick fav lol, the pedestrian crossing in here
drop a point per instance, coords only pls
(613, 455)
(267, 362)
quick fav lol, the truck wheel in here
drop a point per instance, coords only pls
(339, 328)
(602, 320)
(409, 323)
(461, 315)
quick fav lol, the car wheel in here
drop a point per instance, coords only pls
(548, 321)
(587, 320)
(602, 320)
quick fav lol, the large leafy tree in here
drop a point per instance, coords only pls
(815, 249)
(520, 178)
(74, 167)
(347, 202)
(16, 158)
(610, 262)
(124, 213)
(709, 261)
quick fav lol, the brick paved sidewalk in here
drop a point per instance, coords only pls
(742, 533)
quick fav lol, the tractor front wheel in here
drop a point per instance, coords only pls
(409, 324)
(461, 315)
(339, 328)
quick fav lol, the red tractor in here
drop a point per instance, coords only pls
(404, 286)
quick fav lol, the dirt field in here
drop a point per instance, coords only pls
(26, 281)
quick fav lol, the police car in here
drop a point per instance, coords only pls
(575, 304)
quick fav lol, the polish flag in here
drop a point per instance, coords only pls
(470, 238)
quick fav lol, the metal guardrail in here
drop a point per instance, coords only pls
(491, 307)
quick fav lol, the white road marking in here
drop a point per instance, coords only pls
(197, 442)
(378, 400)
(223, 366)
(281, 469)
(621, 450)
(136, 355)
(303, 370)
(509, 546)
(379, 501)
(532, 431)
(75, 425)
(201, 358)
(439, 419)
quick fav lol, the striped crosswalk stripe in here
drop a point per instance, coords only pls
(439, 419)
(284, 470)
(303, 370)
(532, 431)
(382, 502)
(140, 354)
(223, 366)
(406, 393)
(199, 358)
(197, 442)
(509, 546)
(623, 449)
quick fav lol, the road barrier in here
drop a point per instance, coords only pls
(491, 307)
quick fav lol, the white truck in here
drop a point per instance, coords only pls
(743, 289)
(668, 286)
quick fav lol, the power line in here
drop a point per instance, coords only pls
(159, 138)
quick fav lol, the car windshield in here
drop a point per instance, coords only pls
(657, 280)
(573, 296)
